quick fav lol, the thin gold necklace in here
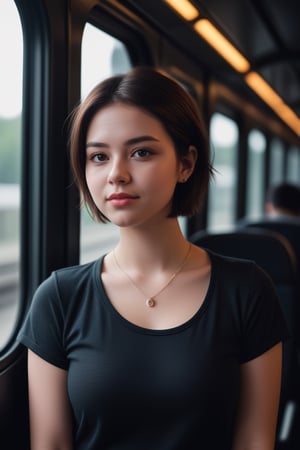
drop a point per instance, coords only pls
(151, 301)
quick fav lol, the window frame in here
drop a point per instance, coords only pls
(35, 55)
(50, 217)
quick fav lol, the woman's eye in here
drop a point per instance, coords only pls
(100, 157)
(142, 153)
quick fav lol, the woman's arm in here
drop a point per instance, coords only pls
(259, 400)
(50, 415)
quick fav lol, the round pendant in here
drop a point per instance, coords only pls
(150, 302)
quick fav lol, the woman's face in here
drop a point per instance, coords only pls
(131, 166)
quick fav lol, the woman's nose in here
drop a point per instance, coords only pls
(119, 172)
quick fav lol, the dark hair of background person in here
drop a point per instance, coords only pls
(285, 197)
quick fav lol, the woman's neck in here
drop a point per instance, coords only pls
(160, 246)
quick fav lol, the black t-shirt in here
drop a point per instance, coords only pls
(133, 388)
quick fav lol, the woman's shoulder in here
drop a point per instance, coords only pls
(77, 272)
(229, 263)
(69, 281)
(239, 272)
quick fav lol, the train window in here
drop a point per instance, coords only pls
(255, 174)
(276, 161)
(102, 56)
(11, 57)
(222, 191)
(293, 165)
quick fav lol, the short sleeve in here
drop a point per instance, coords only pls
(264, 324)
(43, 328)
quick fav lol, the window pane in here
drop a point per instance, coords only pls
(102, 56)
(222, 190)
(293, 165)
(11, 57)
(255, 174)
(276, 162)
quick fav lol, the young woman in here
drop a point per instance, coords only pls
(157, 345)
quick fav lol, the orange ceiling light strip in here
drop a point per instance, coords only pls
(290, 118)
(269, 96)
(216, 39)
(185, 8)
(263, 89)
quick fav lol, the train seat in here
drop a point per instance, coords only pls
(274, 254)
(288, 227)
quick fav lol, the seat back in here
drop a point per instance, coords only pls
(289, 228)
(269, 249)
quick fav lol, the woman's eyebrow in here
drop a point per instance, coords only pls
(138, 139)
(96, 144)
(135, 140)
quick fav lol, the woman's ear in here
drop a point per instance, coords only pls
(187, 164)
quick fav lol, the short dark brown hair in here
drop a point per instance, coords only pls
(162, 97)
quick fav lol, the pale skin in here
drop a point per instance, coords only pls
(129, 151)
(275, 211)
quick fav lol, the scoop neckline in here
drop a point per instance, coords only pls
(142, 330)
